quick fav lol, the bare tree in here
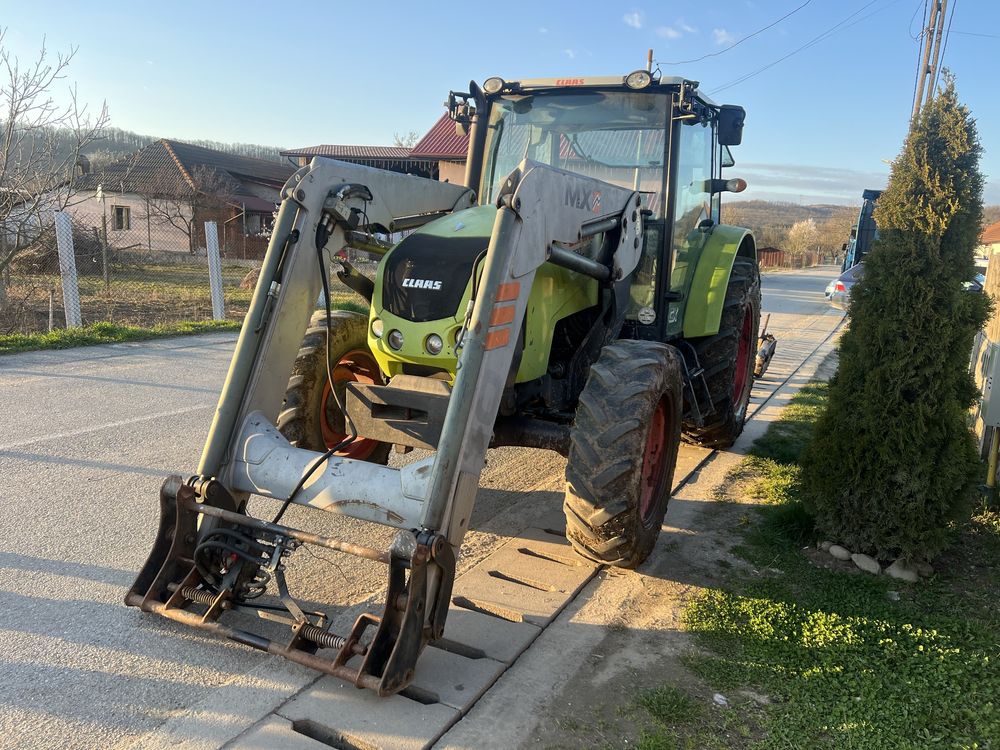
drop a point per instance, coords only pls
(41, 141)
(803, 236)
(407, 140)
(173, 199)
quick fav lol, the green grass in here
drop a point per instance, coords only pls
(845, 664)
(669, 706)
(144, 295)
(113, 333)
(108, 333)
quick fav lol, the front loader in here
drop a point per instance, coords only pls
(578, 294)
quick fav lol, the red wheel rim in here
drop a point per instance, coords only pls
(654, 463)
(354, 367)
(742, 376)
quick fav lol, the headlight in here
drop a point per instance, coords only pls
(638, 79)
(395, 339)
(433, 344)
(493, 85)
(378, 328)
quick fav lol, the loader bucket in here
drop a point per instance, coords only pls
(185, 580)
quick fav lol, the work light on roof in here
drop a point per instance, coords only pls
(638, 79)
(493, 85)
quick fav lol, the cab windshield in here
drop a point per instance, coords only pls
(614, 136)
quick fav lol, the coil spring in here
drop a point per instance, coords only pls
(321, 637)
(198, 595)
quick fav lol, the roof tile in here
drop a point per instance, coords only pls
(351, 152)
(991, 234)
(442, 142)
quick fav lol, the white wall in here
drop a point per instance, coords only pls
(148, 228)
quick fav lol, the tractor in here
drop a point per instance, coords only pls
(577, 293)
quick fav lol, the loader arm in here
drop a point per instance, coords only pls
(541, 210)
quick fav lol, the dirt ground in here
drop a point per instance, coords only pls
(645, 645)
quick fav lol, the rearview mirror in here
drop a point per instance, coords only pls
(730, 129)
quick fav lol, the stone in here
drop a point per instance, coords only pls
(923, 568)
(866, 563)
(899, 569)
(825, 546)
(839, 552)
(720, 700)
(892, 596)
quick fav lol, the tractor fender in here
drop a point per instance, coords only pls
(703, 310)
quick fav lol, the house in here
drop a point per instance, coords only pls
(445, 148)
(391, 158)
(439, 155)
(158, 199)
(989, 241)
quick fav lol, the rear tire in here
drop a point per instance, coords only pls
(728, 359)
(623, 450)
(311, 418)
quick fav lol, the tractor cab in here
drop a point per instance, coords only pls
(658, 136)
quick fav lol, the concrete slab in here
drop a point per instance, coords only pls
(495, 637)
(275, 732)
(344, 714)
(530, 579)
(455, 680)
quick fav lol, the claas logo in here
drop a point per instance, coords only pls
(422, 284)
(569, 82)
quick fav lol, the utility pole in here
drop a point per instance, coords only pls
(930, 57)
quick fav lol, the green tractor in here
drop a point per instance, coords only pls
(578, 293)
(612, 366)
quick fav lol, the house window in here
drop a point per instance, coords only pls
(121, 218)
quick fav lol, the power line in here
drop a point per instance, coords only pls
(739, 41)
(841, 26)
(909, 26)
(973, 33)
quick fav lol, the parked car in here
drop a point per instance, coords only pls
(838, 291)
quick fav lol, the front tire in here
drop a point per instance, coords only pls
(623, 450)
(311, 417)
(728, 360)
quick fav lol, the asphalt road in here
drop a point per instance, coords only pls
(87, 437)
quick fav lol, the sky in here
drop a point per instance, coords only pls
(821, 125)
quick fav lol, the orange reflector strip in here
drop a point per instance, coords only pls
(502, 315)
(508, 292)
(496, 339)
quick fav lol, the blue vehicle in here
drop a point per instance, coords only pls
(864, 233)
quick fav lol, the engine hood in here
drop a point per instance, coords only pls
(425, 276)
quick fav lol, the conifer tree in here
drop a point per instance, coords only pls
(892, 462)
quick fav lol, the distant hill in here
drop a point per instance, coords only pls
(116, 144)
(771, 220)
(785, 214)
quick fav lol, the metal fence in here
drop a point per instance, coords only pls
(770, 257)
(117, 279)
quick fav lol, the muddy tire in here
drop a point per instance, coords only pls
(728, 360)
(623, 450)
(310, 417)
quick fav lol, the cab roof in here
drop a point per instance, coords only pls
(604, 82)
